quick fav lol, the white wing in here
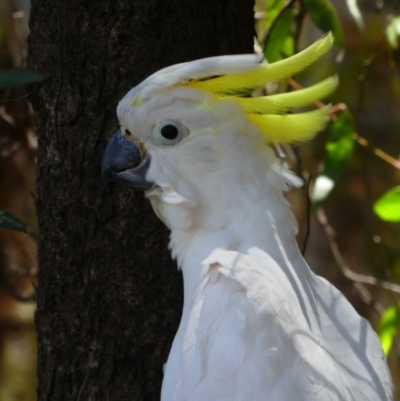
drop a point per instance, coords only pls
(257, 333)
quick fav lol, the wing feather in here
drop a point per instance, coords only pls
(335, 355)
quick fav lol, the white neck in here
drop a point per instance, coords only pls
(264, 221)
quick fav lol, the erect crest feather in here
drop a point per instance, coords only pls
(234, 77)
(237, 83)
(262, 111)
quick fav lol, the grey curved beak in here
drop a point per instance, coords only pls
(124, 164)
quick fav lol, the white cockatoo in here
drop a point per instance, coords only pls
(257, 323)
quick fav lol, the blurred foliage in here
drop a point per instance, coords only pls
(18, 77)
(18, 261)
(353, 169)
(338, 151)
(12, 79)
(393, 32)
(280, 41)
(388, 326)
(325, 17)
(387, 207)
(11, 222)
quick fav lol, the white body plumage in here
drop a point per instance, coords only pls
(257, 324)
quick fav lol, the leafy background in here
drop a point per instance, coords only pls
(348, 209)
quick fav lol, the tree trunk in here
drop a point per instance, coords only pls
(109, 298)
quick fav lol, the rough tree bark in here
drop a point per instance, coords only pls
(109, 297)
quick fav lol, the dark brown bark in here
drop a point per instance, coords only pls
(109, 297)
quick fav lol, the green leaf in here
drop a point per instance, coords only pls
(18, 77)
(288, 46)
(338, 151)
(388, 326)
(279, 35)
(387, 207)
(325, 17)
(11, 222)
(274, 7)
(393, 32)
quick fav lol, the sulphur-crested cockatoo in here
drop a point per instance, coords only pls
(257, 323)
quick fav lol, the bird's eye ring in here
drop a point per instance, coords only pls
(168, 133)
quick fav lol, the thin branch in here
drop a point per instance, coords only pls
(367, 297)
(364, 293)
(376, 151)
(358, 279)
(364, 279)
(359, 139)
(350, 274)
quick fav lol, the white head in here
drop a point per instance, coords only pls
(195, 139)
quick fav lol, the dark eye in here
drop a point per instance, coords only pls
(168, 133)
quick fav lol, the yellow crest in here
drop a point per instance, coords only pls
(267, 111)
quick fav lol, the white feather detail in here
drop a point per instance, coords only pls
(172, 197)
